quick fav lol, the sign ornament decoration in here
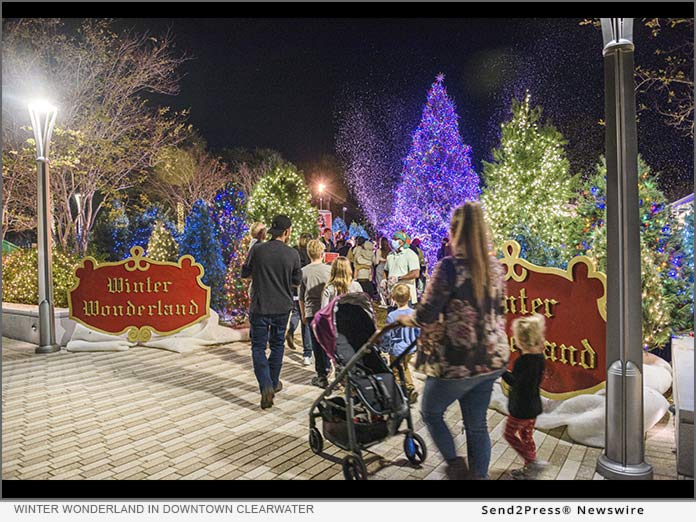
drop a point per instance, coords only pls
(573, 301)
(139, 295)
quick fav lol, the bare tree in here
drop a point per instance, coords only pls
(107, 133)
(183, 176)
(672, 79)
(671, 76)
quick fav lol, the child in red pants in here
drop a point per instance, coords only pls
(524, 402)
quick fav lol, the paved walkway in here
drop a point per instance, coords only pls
(152, 414)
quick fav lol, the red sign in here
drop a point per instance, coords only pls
(573, 301)
(139, 295)
(329, 257)
(324, 221)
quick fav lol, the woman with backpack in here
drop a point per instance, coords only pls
(463, 348)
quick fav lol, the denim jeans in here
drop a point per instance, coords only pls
(267, 330)
(474, 395)
(295, 319)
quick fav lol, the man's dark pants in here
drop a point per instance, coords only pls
(268, 330)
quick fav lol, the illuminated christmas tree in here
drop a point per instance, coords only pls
(529, 186)
(229, 213)
(162, 246)
(284, 191)
(338, 226)
(437, 174)
(200, 240)
(665, 294)
(357, 230)
(236, 288)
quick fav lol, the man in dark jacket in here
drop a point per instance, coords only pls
(274, 269)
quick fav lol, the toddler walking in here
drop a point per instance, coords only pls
(524, 401)
(396, 341)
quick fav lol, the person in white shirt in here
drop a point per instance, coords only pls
(403, 265)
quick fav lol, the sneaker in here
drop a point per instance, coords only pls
(321, 382)
(457, 469)
(307, 361)
(279, 387)
(412, 396)
(267, 398)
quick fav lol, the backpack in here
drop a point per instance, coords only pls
(324, 328)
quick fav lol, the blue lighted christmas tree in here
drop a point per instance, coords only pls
(229, 214)
(437, 174)
(339, 226)
(200, 239)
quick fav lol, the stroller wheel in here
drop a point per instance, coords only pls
(354, 468)
(415, 449)
(316, 442)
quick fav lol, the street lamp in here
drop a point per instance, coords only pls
(43, 117)
(344, 214)
(624, 450)
(78, 198)
(321, 188)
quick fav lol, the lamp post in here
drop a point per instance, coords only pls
(321, 196)
(344, 214)
(624, 451)
(78, 198)
(43, 117)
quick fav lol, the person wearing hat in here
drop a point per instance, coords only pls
(403, 265)
(275, 271)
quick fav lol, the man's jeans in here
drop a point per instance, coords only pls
(295, 319)
(267, 330)
(474, 395)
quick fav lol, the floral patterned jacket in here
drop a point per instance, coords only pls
(458, 339)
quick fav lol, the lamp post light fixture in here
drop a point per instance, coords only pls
(624, 449)
(321, 188)
(43, 117)
(344, 214)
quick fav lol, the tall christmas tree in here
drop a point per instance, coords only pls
(229, 214)
(529, 186)
(284, 191)
(200, 240)
(162, 246)
(437, 174)
(664, 288)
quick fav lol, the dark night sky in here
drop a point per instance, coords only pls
(278, 83)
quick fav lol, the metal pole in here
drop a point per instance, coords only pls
(624, 452)
(47, 326)
(43, 116)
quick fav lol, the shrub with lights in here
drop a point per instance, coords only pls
(200, 239)
(284, 191)
(529, 183)
(357, 230)
(162, 246)
(437, 174)
(236, 289)
(20, 276)
(338, 226)
(229, 214)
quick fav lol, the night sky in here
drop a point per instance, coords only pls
(282, 83)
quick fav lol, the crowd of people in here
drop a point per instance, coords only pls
(455, 314)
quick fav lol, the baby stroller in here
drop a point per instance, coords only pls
(373, 405)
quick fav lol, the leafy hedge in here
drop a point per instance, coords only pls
(20, 276)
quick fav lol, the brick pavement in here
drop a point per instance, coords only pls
(153, 414)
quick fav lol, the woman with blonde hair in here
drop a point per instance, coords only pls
(463, 348)
(340, 281)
